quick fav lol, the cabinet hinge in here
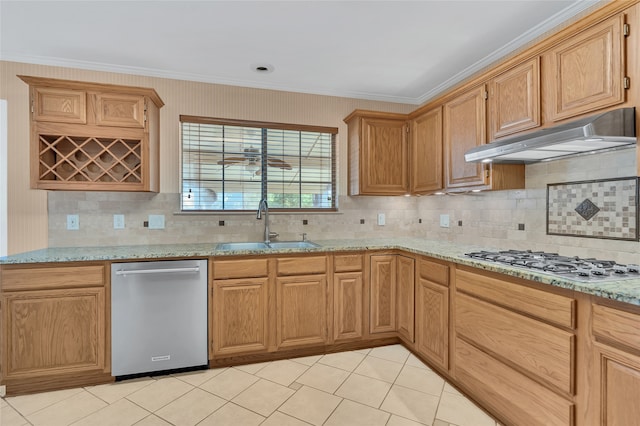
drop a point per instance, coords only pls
(626, 29)
(33, 108)
(145, 112)
(485, 95)
(626, 82)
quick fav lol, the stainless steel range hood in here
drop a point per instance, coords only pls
(606, 131)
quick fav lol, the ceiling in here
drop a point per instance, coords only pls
(398, 51)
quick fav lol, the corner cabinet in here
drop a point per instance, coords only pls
(92, 137)
(378, 153)
(426, 152)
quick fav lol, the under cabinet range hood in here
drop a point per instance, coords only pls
(606, 131)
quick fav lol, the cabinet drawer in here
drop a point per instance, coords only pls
(546, 306)
(434, 272)
(347, 262)
(302, 265)
(56, 277)
(241, 268)
(618, 326)
(540, 349)
(519, 400)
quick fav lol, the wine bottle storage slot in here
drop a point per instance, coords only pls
(87, 159)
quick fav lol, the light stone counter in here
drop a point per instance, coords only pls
(625, 291)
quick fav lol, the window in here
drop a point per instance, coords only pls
(230, 165)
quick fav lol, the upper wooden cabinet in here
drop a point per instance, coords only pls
(514, 100)
(586, 72)
(378, 153)
(90, 136)
(426, 152)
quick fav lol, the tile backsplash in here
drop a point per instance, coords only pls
(489, 219)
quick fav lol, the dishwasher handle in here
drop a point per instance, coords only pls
(125, 272)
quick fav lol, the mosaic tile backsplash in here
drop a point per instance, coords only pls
(605, 208)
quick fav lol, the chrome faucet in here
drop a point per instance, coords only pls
(263, 206)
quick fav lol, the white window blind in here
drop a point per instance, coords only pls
(231, 165)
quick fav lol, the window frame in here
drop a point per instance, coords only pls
(333, 131)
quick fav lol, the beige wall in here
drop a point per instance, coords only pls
(27, 216)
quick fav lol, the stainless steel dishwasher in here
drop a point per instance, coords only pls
(158, 316)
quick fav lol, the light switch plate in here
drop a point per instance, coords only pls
(156, 221)
(444, 220)
(73, 222)
(380, 219)
(118, 221)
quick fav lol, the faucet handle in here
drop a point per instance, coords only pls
(304, 236)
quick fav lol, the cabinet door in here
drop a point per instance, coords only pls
(464, 128)
(59, 105)
(586, 71)
(432, 322)
(514, 100)
(301, 310)
(384, 163)
(119, 110)
(51, 332)
(426, 152)
(619, 386)
(383, 294)
(241, 316)
(347, 305)
(405, 309)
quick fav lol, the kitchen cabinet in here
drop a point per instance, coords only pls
(432, 312)
(301, 301)
(509, 353)
(585, 72)
(616, 356)
(348, 297)
(92, 137)
(426, 152)
(239, 307)
(55, 327)
(405, 295)
(514, 100)
(464, 128)
(378, 153)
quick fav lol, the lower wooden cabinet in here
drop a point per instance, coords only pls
(347, 306)
(405, 282)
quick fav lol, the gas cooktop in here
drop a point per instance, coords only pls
(575, 268)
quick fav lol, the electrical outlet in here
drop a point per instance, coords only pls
(380, 219)
(156, 221)
(444, 221)
(73, 222)
(118, 221)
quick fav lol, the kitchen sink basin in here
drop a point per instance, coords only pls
(264, 246)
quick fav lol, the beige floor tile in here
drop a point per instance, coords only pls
(159, 393)
(190, 408)
(68, 410)
(450, 389)
(3, 403)
(111, 392)
(364, 389)
(310, 405)
(307, 360)
(10, 417)
(263, 397)
(252, 368)
(121, 413)
(401, 421)
(283, 372)
(353, 414)
(460, 411)
(344, 360)
(232, 415)
(414, 361)
(229, 383)
(295, 386)
(420, 379)
(396, 353)
(29, 404)
(363, 351)
(411, 404)
(377, 368)
(281, 419)
(152, 420)
(438, 422)
(323, 377)
(196, 378)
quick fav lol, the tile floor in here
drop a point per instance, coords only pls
(370, 387)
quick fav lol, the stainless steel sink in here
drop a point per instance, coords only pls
(265, 246)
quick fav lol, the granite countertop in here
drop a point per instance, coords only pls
(625, 291)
